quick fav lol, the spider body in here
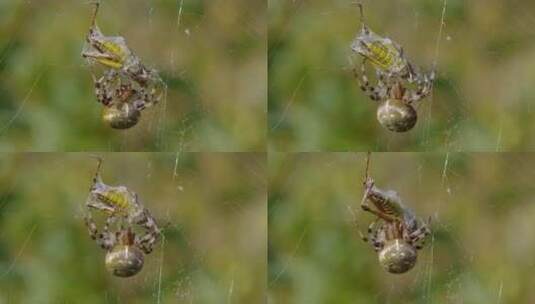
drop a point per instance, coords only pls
(126, 86)
(396, 234)
(396, 116)
(124, 259)
(123, 211)
(399, 84)
(397, 256)
(121, 116)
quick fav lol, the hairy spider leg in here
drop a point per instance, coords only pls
(104, 239)
(375, 93)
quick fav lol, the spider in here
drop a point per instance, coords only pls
(396, 233)
(123, 99)
(121, 207)
(126, 86)
(399, 84)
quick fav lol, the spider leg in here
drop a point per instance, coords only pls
(357, 228)
(369, 236)
(151, 94)
(374, 93)
(104, 239)
(424, 86)
(418, 237)
(378, 240)
(141, 103)
(145, 219)
(104, 85)
(419, 242)
(146, 242)
(108, 239)
(91, 226)
(373, 236)
(152, 235)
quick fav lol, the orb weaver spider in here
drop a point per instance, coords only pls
(126, 86)
(123, 210)
(396, 234)
(399, 83)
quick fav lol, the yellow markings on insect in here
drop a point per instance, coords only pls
(118, 199)
(116, 51)
(110, 63)
(381, 55)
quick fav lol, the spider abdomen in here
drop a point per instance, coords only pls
(397, 256)
(124, 260)
(121, 115)
(396, 115)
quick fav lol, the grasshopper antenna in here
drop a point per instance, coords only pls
(367, 171)
(95, 11)
(361, 12)
(97, 178)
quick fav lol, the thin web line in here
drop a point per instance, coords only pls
(26, 241)
(161, 121)
(437, 214)
(179, 15)
(160, 270)
(440, 33)
(500, 292)
(435, 64)
(285, 267)
(231, 290)
(175, 169)
(21, 107)
(289, 104)
(445, 169)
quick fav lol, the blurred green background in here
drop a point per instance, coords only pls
(482, 98)
(211, 54)
(212, 207)
(483, 218)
